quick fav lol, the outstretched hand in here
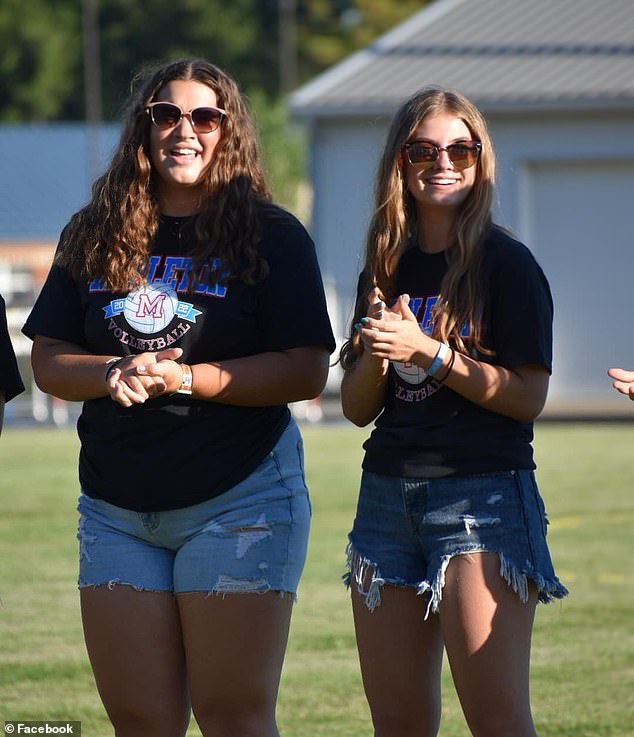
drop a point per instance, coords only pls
(623, 381)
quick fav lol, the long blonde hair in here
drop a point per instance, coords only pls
(395, 222)
(111, 237)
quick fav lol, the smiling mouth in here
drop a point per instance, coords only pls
(178, 152)
(441, 181)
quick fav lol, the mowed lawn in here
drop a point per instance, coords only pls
(583, 651)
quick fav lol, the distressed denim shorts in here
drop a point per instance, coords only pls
(252, 538)
(407, 530)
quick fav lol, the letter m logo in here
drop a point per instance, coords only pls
(153, 307)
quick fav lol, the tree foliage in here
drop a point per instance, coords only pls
(135, 34)
(41, 65)
(42, 59)
(328, 30)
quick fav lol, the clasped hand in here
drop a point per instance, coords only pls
(144, 376)
(393, 333)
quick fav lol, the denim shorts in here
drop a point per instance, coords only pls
(407, 530)
(252, 538)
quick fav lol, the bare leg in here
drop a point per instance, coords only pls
(136, 651)
(487, 632)
(235, 646)
(401, 659)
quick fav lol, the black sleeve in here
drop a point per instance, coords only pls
(58, 311)
(10, 380)
(520, 309)
(291, 303)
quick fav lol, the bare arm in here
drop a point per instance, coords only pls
(363, 389)
(69, 372)
(265, 379)
(363, 384)
(519, 393)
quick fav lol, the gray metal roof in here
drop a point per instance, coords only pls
(503, 54)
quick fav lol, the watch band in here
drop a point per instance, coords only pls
(112, 364)
(187, 380)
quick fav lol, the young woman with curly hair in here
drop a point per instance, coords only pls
(185, 310)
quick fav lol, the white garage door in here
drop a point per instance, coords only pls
(580, 220)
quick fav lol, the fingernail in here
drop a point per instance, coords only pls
(141, 369)
(356, 326)
(365, 320)
(378, 304)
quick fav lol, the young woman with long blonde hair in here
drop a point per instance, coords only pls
(450, 355)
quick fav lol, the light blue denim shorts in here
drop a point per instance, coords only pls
(252, 538)
(407, 530)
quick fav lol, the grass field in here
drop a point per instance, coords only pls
(583, 651)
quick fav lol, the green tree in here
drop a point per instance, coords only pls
(135, 34)
(42, 66)
(40, 63)
(329, 30)
(284, 150)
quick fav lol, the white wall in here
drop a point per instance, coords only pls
(566, 186)
(344, 157)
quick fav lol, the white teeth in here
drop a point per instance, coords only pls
(186, 151)
(442, 181)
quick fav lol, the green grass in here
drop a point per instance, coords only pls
(583, 651)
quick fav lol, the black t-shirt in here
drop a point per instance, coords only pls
(10, 380)
(426, 430)
(175, 451)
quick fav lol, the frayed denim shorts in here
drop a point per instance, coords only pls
(407, 530)
(252, 538)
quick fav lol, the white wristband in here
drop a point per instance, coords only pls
(439, 359)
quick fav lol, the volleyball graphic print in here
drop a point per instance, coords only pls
(151, 308)
(409, 372)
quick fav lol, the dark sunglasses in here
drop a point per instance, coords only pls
(166, 115)
(423, 154)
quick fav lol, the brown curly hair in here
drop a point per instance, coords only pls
(111, 237)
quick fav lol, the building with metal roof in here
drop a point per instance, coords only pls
(555, 80)
(504, 54)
